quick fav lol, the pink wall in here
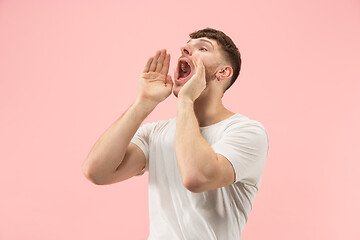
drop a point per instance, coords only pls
(68, 69)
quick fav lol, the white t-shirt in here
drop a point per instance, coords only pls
(179, 214)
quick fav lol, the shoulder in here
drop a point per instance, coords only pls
(161, 124)
(239, 121)
(158, 125)
(243, 127)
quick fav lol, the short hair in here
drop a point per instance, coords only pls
(231, 52)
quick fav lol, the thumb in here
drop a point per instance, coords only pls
(169, 80)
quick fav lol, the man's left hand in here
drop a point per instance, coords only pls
(196, 84)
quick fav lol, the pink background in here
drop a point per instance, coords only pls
(68, 69)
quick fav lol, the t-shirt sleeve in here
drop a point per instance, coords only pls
(142, 139)
(246, 148)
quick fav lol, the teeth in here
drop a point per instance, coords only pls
(183, 67)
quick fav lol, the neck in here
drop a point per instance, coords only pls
(209, 109)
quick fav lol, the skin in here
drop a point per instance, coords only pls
(113, 158)
(199, 104)
(155, 85)
(209, 64)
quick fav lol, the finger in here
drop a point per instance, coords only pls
(166, 65)
(147, 66)
(201, 67)
(195, 61)
(160, 61)
(198, 62)
(154, 61)
(196, 67)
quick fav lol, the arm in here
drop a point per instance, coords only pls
(194, 155)
(109, 151)
(200, 167)
(106, 156)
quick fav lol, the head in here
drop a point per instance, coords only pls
(219, 54)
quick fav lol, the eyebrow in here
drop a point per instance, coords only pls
(204, 40)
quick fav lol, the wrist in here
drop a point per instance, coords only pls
(145, 104)
(185, 100)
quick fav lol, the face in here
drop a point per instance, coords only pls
(209, 52)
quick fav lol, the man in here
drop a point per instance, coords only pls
(205, 166)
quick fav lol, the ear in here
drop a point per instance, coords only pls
(225, 73)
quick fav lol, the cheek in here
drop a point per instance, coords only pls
(205, 61)
(210, 72)
(209, 64)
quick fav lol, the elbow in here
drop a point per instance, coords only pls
(193, 181)
(192, 184)
(91, 176)
(88, 175)
(190, 188)
(197, 182)
(193, 188)
(188, 180)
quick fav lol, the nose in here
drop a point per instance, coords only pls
(186, 50)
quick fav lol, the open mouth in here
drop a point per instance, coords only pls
(184, 69)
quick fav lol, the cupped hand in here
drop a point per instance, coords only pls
(196, 84)
(155, 85)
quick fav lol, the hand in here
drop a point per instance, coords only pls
(155, 85)
(196, 84)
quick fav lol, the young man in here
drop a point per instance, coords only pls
(205, 166)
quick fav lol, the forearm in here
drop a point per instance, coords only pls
(109, 151)
(193, 153)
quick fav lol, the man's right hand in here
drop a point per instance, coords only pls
(155, 85)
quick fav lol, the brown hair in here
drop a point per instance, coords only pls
(231, 52)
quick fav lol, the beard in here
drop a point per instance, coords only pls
(210, 74)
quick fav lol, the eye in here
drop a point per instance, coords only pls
(203, 49)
